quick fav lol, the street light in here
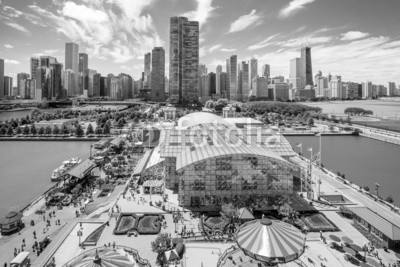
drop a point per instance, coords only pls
(377, 189)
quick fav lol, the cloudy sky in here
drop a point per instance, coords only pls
(358, 39)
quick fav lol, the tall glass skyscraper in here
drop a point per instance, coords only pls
(83, 62)
(253, 70)
(158, 74)
(72, 60)
(306, 66)
(232, 73)
(1, 78)
(183, 60)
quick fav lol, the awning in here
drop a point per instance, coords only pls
(82, 169)
(11, 217)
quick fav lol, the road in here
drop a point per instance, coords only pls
(352, 194)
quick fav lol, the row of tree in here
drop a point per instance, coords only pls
(261, 107)
(55, 130)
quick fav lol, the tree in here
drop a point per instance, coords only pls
(98, 130)
(121, 123)
(89, 129)
(390, 199)
(10, 130)
(26, 130)
(79, 130)
(56, 130)
(19, 130)
(106, 129)
(41, 131)
(311, 122)
(33, 129)
(160, 245)
(366, 188)
(230, 210)
(285, 209)
(48, 130)
(3, 130)
(64, 129)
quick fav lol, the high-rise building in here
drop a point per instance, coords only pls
(350, 90)
(56, 81)
(218, 80)
(1, 78)
(266, 71)
(295, 74)
(366, 90)
(253, 70)
(391, 89)
(103, 86)
(224, 85)
(72, 57)
(147, 71)
(91, 87)
(83, 62)
(124, 86)
(260, 86)
(69, 82)
(8, 86)
(212, 83)
(244, 87)
(158, 74)
(34, 65)
(21, 83)
(202, 69)
(233, 78)
(204, 88)
(43, 83)
(321, 86)
(166, 84)
(278, 92)
(335, 86)
(306, 66)
(45, 61)
(184, 60)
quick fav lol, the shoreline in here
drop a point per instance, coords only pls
(60, 138)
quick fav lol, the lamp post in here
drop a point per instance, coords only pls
(377, 189)
(310, 149)
(301, 169)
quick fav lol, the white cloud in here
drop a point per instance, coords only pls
(294, 6)
(264, 43)
(203, 11)
(116, 29)
(17, 26)
(215, 47)
(252, 19)
(10, 61)
(353, 35)
(228, 49)
(306, 40)
(12, 12)
(48, 52)
(8, 46)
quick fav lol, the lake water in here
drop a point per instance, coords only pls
(26, 167)
(381, 108)
(364, 161)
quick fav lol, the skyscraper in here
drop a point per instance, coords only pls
(202, 69)
(266, 71)
(21, 78)
(243, 92)
(34, 65)
(72, 57)
(72, 60)
(306, 66)
(224, 89)
(295, 73)
(147, 71)
(212, 83)
(83, 62)
(366, 90)
(56, 81)
(1, 78)
(253, 70)
(232, 74)
(391, 89)
(45, 61)
(218, 80)
(8, 86)
(68, 82)
(158, 74)
(184, 60)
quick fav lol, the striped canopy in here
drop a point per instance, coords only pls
(103, 258)
(270, 241)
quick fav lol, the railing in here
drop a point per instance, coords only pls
(129, 250)
(226, 254)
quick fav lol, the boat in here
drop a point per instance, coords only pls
(58, 173)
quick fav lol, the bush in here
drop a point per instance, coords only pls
(149, 224)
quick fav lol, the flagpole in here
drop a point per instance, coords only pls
(320, 149)
(301, 169)
(311, 165)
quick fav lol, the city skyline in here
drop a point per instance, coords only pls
(343, 43)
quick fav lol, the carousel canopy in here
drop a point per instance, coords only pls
(103, 258)
(270, 240)
(11, 217)
(245, 214)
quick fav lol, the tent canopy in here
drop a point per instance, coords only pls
(270, 240)
(245, 214)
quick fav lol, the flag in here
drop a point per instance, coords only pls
(318, 134)
(299, 145)
(309, 149)
(316, 158)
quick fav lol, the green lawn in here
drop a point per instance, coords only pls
(385, 124)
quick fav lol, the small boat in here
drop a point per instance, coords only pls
(64, 168)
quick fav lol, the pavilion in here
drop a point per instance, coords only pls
(12, 222)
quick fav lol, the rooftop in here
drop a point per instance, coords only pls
(82, 169)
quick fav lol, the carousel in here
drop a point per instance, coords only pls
(270, 241)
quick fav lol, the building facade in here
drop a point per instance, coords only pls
(34, 64)
(184, 61)
(243, 82)
(218, 80)
(83, 62)
(232, 72)
(306, 66)
(253, 70)
(158, 74)
(295, 74)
